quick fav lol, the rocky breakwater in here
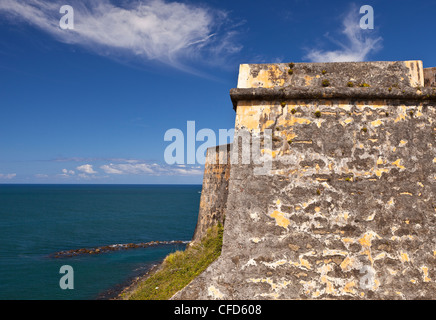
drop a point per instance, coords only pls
(112, 248)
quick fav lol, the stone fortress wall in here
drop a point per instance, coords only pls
(348, 209)
(214, 191)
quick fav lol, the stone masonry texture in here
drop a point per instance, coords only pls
(214, 191)
(348, 208)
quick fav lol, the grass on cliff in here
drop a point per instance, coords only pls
(180, 268)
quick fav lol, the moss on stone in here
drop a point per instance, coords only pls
(325, 83)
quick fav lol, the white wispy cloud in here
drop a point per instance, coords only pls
(68, 172)
(358, 44)
(8, 176)
(169, 32)
(86, 168)
(128, 168)
(41, 175)
(149, 169)
(189, 171)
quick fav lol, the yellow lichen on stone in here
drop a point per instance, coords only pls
(379, 172)
(294, 120)
(268, 151)
(370, 217)
(349, 263)
(247, 116)
(265, 78)
(308, 80)
(425, 272)
(346, 121)
(376, 123)
(365, 242)
(281, 220)
(215, 293)
(401, 115)
(349, 287)
(397, 163)
(305, 263)
(404, 257)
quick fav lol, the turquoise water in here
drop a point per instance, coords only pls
(38, 220)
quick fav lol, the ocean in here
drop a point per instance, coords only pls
(38, 220)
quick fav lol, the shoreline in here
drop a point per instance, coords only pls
(126, 288)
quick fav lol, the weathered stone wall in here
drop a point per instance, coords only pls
(215, 190)
(430, 77)
(349, 207)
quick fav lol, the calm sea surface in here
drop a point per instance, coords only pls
(38, 220)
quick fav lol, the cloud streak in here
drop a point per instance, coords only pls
(149, 169)
(358, 44)
(8, 176)
(86, 168)
(169, 32)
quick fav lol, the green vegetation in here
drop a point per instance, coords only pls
(325, 83)
(291, 72)
(364, 85)
(350, 84)
(291, 65)
(293, 111)
(323, 71)
(318, 114)
(180, 268)
(283, 104)
(364, 129)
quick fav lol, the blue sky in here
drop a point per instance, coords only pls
(92, 105)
